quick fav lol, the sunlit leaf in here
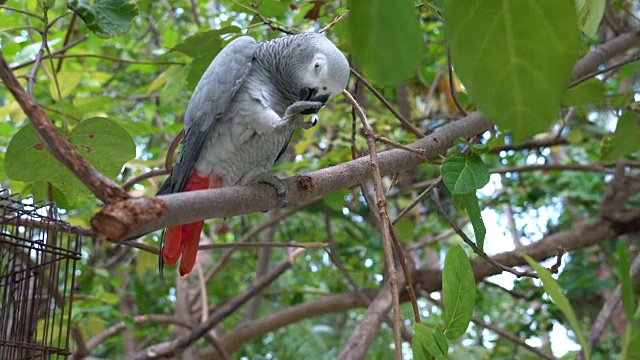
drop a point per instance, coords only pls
(67, 81)
(590, 14)
(552, 288)
(458, 292)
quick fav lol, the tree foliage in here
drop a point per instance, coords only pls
(550, 86)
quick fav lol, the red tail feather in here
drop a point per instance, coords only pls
(183, 240)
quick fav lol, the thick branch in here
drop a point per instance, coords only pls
(141, 215)
(104, 188)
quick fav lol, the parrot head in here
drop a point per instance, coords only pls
(324, 71)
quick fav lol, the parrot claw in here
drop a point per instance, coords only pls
(281, 188)
(303, 108)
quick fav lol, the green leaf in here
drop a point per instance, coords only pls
(590, 92)
(590, 14)
(464, 174)
(385, 38)
(552, 288)
(104, 143)
(625, 140)
(192, 46)
(68, 81)
(514, 57)
(625, 283)
(101, 141)
(106, 18)
(162, 78)
(420, 351)
(470, 203)
(458, 292)
(430, 342)
(26, 158)
(631, 340)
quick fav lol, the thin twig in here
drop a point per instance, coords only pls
(62, 50)
(598, 72)
(338, 19)
(452, 90)
(116, 59)
(24, 12)
(203, 292)
(384, 222)
(332, 251)
(407, 274)
(417, 200)
(144, 176)
(388, 105)
(419, 152)
(168, 162)
(473, 246)
(306, 245)
(270, 23)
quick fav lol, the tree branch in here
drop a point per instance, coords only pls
(171, 348)
(137, 216)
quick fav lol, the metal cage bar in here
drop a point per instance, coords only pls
(38, 254)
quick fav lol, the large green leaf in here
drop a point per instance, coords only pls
(458, 292)
(552, 288)
(385, 38)
(625, 140)
(105, 144)
(470, 203)
(464, 174)
(514, 57)
(106, 18)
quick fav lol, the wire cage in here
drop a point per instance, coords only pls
(38, 254)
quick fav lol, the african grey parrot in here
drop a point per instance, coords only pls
(241, 117)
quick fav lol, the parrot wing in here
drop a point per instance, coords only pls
(210, 101)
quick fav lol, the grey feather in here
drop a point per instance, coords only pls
(209, 103)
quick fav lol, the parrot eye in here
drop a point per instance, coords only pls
(317, 66)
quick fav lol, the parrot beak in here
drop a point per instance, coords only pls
(310, 94)
(321, 98)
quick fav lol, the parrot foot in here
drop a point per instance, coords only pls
(303, 108)
(281, 188)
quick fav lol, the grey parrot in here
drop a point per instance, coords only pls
(241, 117)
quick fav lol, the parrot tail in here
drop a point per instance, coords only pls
(183, 240)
